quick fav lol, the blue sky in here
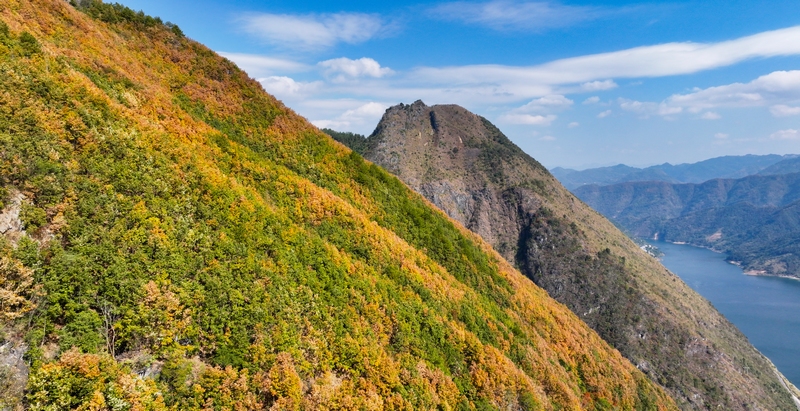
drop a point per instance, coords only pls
(574, 84)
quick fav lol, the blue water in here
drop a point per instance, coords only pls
(765, 309)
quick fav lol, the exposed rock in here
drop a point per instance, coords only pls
(13, 373)
(11, 225)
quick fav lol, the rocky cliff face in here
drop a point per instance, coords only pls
(468, 168)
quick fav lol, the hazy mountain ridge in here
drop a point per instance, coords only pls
(469, 169)
(755, 219)
(719, 167)
(175, 238)
(790, 165)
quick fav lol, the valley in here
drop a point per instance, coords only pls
(755, 219)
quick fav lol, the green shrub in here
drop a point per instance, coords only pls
(29, 44)
(32, 217)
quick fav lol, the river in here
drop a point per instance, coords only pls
(765, 309)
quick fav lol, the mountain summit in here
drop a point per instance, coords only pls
(464, 165)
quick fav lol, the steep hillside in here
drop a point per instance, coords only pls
(719, 167)
(175, 238)
(469, 169)
(755, 219)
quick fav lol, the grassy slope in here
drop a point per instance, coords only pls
(186, 226)
(478, 176)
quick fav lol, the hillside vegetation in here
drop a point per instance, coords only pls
(176, 238)
(468, 168)
(756, 219)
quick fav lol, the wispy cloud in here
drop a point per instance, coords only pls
(260, 66)
(342, 69)
(286, 88)
(598, 85)
(313, 31)
(368, 113)
(478, 85)
(528, 119)
(648, 61)
(604, 114)
(546, 103)
(782, 110)
(767, 89)
(517, 15)
(790, 134)
(532, 95)
(646, 109)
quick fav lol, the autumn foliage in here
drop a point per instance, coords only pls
(201, 246)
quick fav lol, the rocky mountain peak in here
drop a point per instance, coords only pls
(465, 166)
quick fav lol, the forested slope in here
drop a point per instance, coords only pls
(175, 238)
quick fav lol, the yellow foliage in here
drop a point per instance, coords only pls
(16, 287)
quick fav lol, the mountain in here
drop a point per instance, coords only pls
(719, 167)
(464, 165)
(788, 166)
(602, 175)
(173, 237)
(756, 219)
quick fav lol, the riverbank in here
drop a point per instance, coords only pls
(763, 307)
(755, 273)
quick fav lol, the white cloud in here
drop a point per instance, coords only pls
(646, 109)
(536, 120)
(364, 115)
(591, 100)
(721, 136)
(286, 87)
(782, 110)
(599, 85)
(313, 31)
(770, 88)
(790, 134)
(547, 138)
(259, 66)
(341, 69)
(573, 124)
(604, 114)
(647, 61)
(517, 15)
(553, 101)
(371, 109)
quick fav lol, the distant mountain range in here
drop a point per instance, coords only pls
(789, 165)
(720, 167)
(755, 219)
